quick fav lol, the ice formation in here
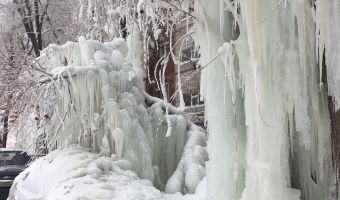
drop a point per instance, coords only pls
(102, 106)
(269, 69)
(272, 138)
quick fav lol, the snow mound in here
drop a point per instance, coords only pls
(75, 173)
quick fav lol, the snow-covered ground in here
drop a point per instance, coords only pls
(75, 173)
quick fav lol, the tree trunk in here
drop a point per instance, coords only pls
(3, 138)
(33, 30)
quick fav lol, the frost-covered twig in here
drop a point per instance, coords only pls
(60, 125)
(172, 47)
(167, 2)
(154, 101)
(40, 69)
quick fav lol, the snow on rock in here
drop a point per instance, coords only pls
(102, 106)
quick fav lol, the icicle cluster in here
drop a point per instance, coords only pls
(103, 106)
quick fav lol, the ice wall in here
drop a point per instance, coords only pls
(223, 104)
(102, 106)
(260, 60)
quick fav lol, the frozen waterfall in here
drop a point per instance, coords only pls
(273, 140)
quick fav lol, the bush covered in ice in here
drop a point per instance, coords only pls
(102, 106)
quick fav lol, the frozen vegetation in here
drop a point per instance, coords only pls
(102, 107)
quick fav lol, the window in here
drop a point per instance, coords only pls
(186, 54)
(194, 54)
(192, 98)
(187, 99)
(164, 50)
(195, 99)
(9, 157)
(189, 53)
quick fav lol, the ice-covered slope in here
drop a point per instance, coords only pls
(101, 105)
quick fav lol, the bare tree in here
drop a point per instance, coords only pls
(29, 27)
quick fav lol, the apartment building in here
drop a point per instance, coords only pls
(182, 66)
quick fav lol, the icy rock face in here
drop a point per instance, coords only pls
(272, 140)
(103, 107)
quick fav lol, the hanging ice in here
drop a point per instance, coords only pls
(273, 139)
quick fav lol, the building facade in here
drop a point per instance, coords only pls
(182, 72)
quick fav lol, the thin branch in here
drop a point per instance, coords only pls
(60, 125)
(172, 98)
(179, 8)
(41, 70)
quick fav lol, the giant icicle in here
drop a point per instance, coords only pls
(227, 130)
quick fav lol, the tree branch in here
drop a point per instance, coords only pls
(180, 9)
